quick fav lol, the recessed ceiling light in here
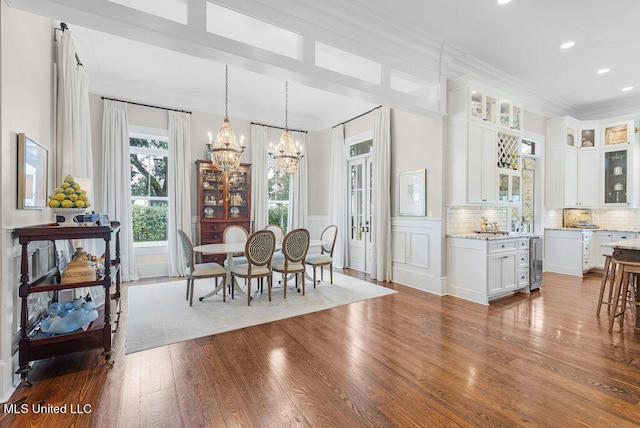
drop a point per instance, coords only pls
(567, 45)
(602, 71)
(503, 1)
(628, 88)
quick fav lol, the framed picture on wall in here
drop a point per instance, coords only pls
(412, 193)
(32, 174)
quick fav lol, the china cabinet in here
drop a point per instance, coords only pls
(36, 345)
(223, 200)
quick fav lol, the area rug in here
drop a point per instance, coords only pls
(159, 315)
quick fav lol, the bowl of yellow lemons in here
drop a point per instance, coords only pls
(69, 200)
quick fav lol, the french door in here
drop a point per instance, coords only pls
(360, 199)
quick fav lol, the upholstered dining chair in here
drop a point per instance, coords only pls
(201, 270)
(259, 251)
(325, 257)
(295, 246)
(279, 233)
(235, 234)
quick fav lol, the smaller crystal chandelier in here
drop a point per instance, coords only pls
(225, 150)
(287, 156)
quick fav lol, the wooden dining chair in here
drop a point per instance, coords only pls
(279, 233)
(258, 251)
(295, 246)
(325, 257)
(235, 234)
(201, 270)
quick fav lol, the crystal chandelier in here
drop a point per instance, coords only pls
(225, 150)
(287, 155)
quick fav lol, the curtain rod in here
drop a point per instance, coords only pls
(277, 127)
(145, 105)
(354, 118)
(64, 26)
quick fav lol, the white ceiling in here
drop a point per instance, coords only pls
(514, 46)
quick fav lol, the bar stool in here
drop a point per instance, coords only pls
(622, 288)
(608, 275)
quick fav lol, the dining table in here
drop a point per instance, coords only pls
(627, 250)
(232, 248)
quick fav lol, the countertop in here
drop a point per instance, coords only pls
(492, 237)
(628, 244)
(580, 229)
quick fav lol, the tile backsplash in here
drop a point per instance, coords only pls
(616, 219)
(467, 219)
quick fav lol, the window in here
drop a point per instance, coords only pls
(278, 197)
(149, 159)
(528, 147)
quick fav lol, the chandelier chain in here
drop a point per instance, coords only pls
(226, 91)
(286, 104)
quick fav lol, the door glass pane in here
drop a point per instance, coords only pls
(503, 187)
(515, 188)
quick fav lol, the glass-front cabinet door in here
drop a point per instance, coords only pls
(238, 195)
(212, 194)
(515, 188)
(475, 105)
(516, 118)
(505, 113)
(616, 165)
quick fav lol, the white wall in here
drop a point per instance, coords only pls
(26, 93)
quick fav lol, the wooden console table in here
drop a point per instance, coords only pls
(98, 334)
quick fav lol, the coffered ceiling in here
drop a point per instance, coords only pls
(344, 58)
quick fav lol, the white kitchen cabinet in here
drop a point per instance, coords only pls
(481, 270)
(599, 238)
(523, 263)
(481, 186)
(567, 251)
(591, 163)
(619, 186)
(572, 173)
(480, 148)
(587, 178)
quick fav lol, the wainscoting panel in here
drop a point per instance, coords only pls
(417, 253)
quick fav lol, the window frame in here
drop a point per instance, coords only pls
(149, 134)
(287, 202)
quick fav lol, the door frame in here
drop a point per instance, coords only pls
(366, 159)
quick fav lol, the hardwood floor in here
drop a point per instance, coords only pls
(407, 359)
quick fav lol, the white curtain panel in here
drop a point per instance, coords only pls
(381, 239)
(338, 212)
(73, 155)
(179, 187)
(298, 189)
(73, 125)
(259, 171)
(116, 181)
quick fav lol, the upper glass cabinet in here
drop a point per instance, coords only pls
(615, 176)
(495, 110)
